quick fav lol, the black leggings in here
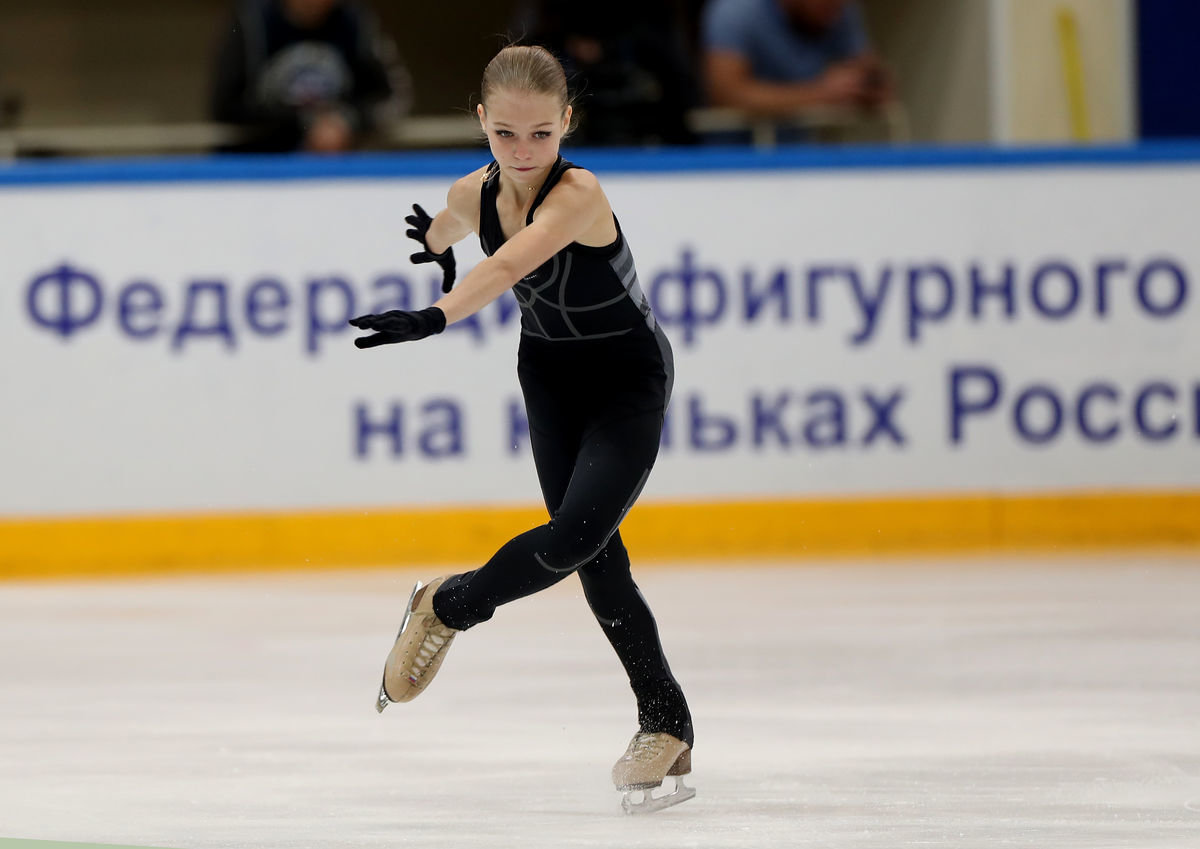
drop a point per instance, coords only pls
(590, 476)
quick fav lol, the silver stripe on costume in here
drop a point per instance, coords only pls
(668, 358)
(559, 273)
(587, 338)
(623, 265)
(525, 296)
(562, 299)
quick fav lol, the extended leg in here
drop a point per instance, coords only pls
(607, 475)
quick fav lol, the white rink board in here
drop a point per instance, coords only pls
(102, 420)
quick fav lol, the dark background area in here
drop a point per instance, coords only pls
(1168, 68)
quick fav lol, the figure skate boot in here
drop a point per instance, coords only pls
(645, 765)
(419, 650)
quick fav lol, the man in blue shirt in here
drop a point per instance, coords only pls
(779, 57)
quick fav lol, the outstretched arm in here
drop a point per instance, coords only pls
(568, 211)
(437, 236)
(460, 217)
(450, 226)
(575, 205)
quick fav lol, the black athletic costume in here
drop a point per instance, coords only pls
(596, 373)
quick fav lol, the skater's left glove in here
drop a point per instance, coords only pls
(420, 222)
(399, 326)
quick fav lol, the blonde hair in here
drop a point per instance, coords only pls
(528, 68)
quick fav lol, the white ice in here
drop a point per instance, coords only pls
(963, 703)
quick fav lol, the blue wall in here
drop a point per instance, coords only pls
(602, 161)
(1168, 66)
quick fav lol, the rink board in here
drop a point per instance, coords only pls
(666, 534)
(876, 351)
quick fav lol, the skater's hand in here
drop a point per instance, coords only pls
(399, 326)
(421, 223)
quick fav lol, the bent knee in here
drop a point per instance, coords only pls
(568, 549)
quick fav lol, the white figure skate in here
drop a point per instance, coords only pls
(645, 766)
(419, 649)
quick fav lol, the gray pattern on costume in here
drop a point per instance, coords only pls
(582, 292)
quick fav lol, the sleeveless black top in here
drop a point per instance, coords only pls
(581, 292)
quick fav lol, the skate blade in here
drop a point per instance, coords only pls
(650, 803)
(382, 700)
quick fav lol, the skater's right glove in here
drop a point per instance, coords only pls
(421, 223)
(399, 326)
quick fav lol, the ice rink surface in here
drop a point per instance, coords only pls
(957, 703)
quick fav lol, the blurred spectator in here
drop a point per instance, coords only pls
(628, 64)
(313, 75)
(779, 57)
(10, 109)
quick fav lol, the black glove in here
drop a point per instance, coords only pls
(420, 222)
(399, 326)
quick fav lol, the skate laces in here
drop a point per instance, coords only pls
(437, 639)
(646, 747)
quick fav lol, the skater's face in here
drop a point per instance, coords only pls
(524, 130)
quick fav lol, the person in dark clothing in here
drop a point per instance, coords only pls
(596, 371)
(314, 75)
(629, 65)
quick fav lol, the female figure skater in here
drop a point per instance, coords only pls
(595, 370)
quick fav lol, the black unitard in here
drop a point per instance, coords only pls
(595, 370)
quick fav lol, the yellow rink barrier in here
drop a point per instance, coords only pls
(682, 532)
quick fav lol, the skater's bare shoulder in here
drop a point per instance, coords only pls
(579, 188)
(579, 199)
